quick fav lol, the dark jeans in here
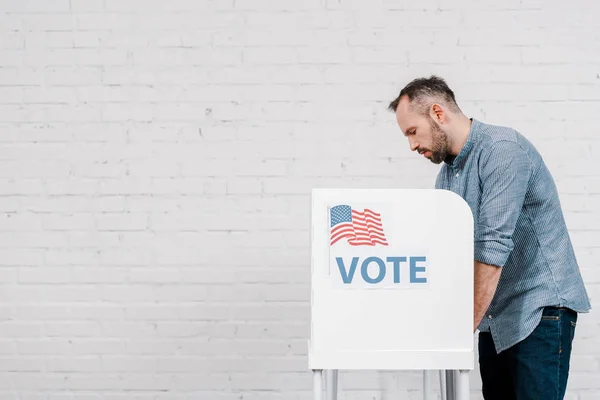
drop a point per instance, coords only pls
(535, 368)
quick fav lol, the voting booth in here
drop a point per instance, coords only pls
(391, 285)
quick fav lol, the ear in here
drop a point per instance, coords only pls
(437, 113)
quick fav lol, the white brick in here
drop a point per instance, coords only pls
(93, 39)
(46, 382)
(44, 112)
(498, 55)
(195, 56)
(99, 133)
(41, 40)
(77, 56)
(176, 5)
(286, 5)
(98, 346)
(154, 203)
(72, 329)
(269, 381)
(139, 395)
(34, 6)
(154, 275)
(46, 275)
(96, 275)
(79, 6)
(20, 222)
(43, 346)
(368, 55)
(122, 221)
(79, 364)
(49, 95)
(47, 22)
(68, 222)
(270, 55)
(582, 221)
(178, 112)
(558, 55)
(21, 257)
(42, 312)
(152, 313)
(125, 257)
(8, 275)
(73, 76)
(12, 40)
(125, 186)
(75, 186)
(75, 257)
(583, 380)
(14, 364)
(189, 21)
(9, 204)
(182, 292)
(33, 169)
(244, 186)
(154, 168)
(7, 347)
(12, 58)
(99, 22)
(110, 94)
(99, 170)
(122, 112)
(584, 363)
(152, 133)
(369, 19)
(8, 23)
(129, 293)
(103, 312)
(22, 329)
(589, 394)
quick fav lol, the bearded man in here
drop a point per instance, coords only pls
(528, 287)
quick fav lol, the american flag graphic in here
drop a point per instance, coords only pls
(358, 228)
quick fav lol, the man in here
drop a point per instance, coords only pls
(528, 287)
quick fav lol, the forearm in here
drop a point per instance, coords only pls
(486, 282)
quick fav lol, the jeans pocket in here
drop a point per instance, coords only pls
(572, 327)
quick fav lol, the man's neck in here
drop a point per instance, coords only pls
(460, 135)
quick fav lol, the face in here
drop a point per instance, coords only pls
(424, 135)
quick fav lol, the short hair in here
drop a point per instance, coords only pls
(421, 92)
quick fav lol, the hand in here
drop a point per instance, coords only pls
(486, 282)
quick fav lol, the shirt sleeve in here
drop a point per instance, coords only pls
(504, 175)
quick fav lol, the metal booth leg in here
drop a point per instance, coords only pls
(317, 384)
(450, 383)
(462, 385)
(442, 378)
(331, 384)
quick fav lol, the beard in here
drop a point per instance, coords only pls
(440, 143)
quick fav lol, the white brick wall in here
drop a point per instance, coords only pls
(156, 159)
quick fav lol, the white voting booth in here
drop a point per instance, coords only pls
(391, 286)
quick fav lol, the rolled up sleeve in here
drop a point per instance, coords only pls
(505, 170)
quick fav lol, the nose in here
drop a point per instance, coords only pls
(413, 144)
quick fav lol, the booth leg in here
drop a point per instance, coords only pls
(450, 391)
(442, 375)
(462, 385)
(318, 384)
(427, 395)
(331, 384)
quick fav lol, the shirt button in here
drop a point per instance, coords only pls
(457, 174)
(490, 316)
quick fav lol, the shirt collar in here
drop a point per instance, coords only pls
(458, 161)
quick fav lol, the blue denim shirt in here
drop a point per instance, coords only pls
(519, 226)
